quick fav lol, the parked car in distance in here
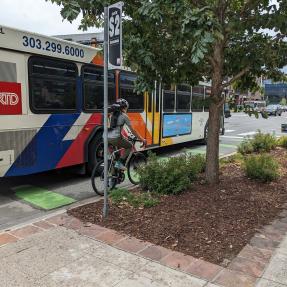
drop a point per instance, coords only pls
(273, 110)
(258, 106)
(281, 109)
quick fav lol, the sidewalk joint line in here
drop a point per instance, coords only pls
(150, 244)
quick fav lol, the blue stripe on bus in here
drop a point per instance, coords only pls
(46, 148)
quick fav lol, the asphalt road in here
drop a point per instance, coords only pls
(15, 211)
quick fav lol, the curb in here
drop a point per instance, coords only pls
(228, 155)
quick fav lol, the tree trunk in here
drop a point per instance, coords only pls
(212, 152)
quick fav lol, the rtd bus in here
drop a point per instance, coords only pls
(51, 102)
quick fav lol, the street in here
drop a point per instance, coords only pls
(14, 211)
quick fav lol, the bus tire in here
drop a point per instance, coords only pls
(93, 156)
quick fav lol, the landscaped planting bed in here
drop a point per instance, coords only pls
(209, 222)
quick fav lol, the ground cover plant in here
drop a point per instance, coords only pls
(124, 197)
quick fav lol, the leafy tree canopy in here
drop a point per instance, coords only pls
(225, 41)
(175, 41)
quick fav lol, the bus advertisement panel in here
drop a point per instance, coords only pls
(177, 124)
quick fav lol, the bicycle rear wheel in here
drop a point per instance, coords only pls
(138, 160)
(97, 179)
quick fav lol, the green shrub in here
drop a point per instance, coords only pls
(264, 142)
(283, 141)
(172, 175)
(261, 167)
(121, 196)
(195, 164)
(245, 147)
(259, 143)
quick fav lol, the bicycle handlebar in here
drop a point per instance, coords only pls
(133, 140)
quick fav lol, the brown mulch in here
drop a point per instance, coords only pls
(209, 222)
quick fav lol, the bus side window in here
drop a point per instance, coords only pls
(207, 98)
(127, 91)
(183, 98)
(168, 99)
(93, 88)
(52, 85)
(197, 99)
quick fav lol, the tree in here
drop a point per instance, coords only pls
(224, 41)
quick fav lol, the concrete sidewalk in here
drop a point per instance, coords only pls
(275, 275)
(60, 250)
(62, 257)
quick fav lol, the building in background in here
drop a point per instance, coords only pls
(241, 96)
(275, 93)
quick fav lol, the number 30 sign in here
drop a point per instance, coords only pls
(115, 36)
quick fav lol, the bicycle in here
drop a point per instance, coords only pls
(116, 176)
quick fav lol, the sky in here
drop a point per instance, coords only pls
(37, 16)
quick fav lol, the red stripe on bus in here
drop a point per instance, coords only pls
(75, 154)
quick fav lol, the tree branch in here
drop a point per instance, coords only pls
(236, 77)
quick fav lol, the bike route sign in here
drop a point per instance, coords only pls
(115, 36)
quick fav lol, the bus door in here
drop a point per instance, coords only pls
(153, 114)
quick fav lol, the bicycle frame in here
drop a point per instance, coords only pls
(116, 176)
(113, 156)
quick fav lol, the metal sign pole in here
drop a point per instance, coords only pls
(112, 60)
(105, 137)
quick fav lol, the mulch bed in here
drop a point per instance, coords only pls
(209, 222)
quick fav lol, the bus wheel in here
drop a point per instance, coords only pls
(96, 152)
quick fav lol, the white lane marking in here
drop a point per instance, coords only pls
(229, 131)
(233, 115)
(248, 134)
(232, 137)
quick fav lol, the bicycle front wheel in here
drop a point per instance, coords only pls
(137, 161)
(97, 179)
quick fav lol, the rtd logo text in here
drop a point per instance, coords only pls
(10, 99)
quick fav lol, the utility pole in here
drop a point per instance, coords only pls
(112, 60)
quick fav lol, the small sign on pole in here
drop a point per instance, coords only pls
(115, 36)
(112, 60)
